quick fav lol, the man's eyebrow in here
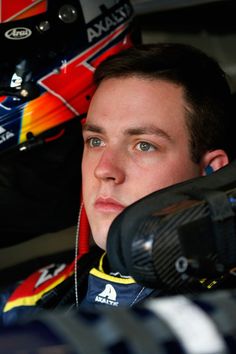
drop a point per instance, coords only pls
(93, 128)
(150, 129)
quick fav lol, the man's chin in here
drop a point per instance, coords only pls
(101, 228)
(100, 235)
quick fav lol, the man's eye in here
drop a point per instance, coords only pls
(144, 146)
(95, 142)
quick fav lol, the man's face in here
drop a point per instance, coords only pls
(136, 142)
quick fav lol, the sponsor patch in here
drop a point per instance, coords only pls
(18, 33)
(107, 296)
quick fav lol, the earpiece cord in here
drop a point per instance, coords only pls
(76, 257)
(81, 244)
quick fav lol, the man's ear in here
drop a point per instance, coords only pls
(213, 160)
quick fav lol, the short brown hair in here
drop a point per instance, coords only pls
(205, 86)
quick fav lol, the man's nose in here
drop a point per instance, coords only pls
(110, 167)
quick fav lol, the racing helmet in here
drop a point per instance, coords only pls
(49, 51)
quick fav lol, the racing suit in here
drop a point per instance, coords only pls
(85, 284)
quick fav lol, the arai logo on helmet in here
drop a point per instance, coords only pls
(18, 33)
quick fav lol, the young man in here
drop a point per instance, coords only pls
(157, 118)
(160, 115)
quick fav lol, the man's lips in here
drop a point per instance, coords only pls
(108, 205)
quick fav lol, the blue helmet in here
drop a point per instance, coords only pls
(49, 50)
